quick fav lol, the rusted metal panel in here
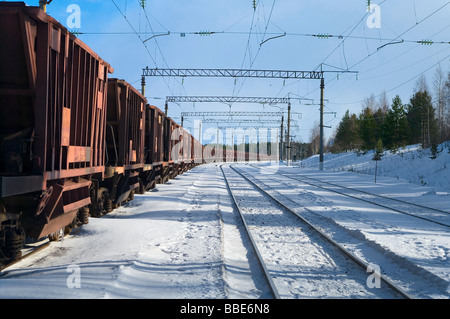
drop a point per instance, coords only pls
(169, 143)
(65, 130)
(154, 135)
(125, 134)
(181, 149)
(196, 151)
(78, 154)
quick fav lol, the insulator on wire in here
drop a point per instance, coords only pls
(204, 33)
(323, 36)
(425, 42)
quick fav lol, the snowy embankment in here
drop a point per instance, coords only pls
(183, 239)
(176, 241)
(410, 164)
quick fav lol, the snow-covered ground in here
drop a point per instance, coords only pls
(183, 239)
(411, 164)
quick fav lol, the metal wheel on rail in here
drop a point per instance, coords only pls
(57, 235)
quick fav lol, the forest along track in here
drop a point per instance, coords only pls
(302, 261)
(433, 215)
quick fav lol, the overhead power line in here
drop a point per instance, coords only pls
(273, 35)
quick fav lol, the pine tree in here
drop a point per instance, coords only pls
(378, 152)
(396, 126)
(421, 120)
(347, 137)
(367, 129)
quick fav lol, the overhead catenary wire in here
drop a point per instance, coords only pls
(258, 32)
(248, 47)
(377, 67)
(156, 41)
(404, 32)
(134, 31)
(319, 36)
(140, 38)
(399, 85)
(391, 42)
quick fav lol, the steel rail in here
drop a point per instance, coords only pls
(353, 257)
(32, 252)
(45, 244)
(369, 201)
(267, 275)
(377, 195)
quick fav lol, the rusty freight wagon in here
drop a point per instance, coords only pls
(154, 148)
(196, 151)
(124, 147)
(181, 149)
(169, 167)
(52, 126)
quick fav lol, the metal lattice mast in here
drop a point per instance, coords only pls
(235, 73)
(260, 114)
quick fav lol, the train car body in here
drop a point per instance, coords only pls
(52, 125)
(73, 143)
(153, 149)
(169, 143)
(125, 158)
(196, 151)
(181, 149)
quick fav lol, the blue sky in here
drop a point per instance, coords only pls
(383, 64)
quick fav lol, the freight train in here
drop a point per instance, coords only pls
(74, 143)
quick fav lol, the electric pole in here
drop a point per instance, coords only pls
(322, 87)
(288, 155)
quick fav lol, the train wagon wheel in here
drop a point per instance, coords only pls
(108, 204)
(57, 235)
(141, 188)
(14, 242)
(83, 215)
(131, 196)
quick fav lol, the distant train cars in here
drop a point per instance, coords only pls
(73, 142)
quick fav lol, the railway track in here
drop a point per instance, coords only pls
(27, 251)
(280, 235)
(32, 248)
(432, 215)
